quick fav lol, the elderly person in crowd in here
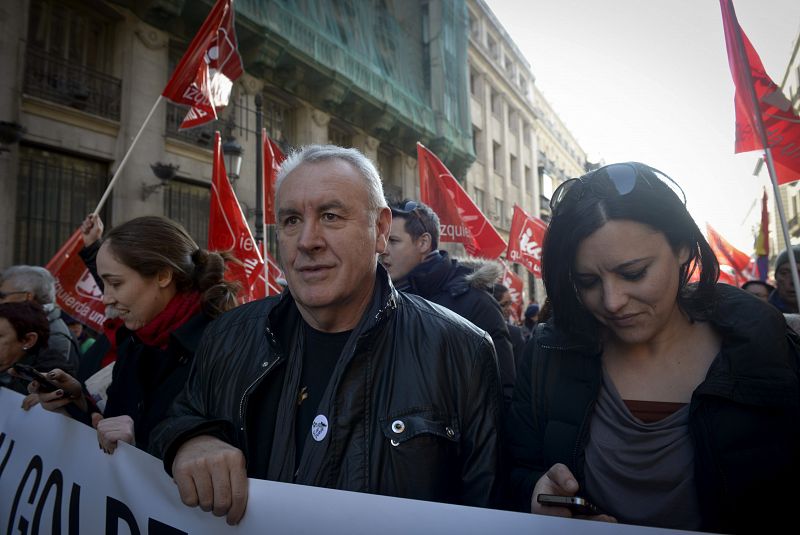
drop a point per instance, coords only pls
(24, 333)
(35, 283)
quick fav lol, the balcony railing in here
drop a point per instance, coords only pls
(58, 80)
(200, 135)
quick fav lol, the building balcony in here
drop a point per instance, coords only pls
(63, 82)
(200, 135)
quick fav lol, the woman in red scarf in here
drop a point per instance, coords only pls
(165, 291)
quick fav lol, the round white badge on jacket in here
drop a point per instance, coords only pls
(319, 429)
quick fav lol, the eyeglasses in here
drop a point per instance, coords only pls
(622, 176)
(411, 208)
(4, 295)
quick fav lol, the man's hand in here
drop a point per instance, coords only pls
(70, 392)
(560, 481)
(112, 430)
(91, 229)
(212, 474)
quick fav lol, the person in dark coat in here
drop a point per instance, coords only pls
(341, 381)
(784, 296)
(34, 283)
(663, 403)
(503, 297)
(165, 290)
(416, 266)
(24, 333)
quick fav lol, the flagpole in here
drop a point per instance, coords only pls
(758, 123)
(125, 158)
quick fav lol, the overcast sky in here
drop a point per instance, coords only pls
(649, 81)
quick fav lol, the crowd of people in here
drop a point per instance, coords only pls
(388, 367)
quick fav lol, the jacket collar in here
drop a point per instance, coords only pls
(286, 314)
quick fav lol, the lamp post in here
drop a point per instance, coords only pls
(259, 174)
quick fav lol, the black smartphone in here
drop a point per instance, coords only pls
(29, 373)
(576, 504)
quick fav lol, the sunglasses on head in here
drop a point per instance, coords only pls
(410, 208)
(622, 176)
(3, 295)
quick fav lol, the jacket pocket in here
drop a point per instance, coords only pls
(422, 455)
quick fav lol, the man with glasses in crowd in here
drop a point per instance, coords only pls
(341, 381)
(417, 266)
(35, 283)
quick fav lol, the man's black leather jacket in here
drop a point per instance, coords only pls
(413, 406)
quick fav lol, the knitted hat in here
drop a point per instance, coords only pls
(532, 310)
(784, 256)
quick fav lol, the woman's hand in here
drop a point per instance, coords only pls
(91, 229)
(70, 391)
(111, 431)
(559, 480)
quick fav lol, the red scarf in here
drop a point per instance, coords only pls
(177, 312)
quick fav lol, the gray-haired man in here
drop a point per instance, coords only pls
(340, 382)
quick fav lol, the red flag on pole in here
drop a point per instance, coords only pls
(204, 76)
(774, 122)
(228, 230)
(273, 158)
(76, 292)
(516, 287)
(525, 241)
(461, 221)
(728, 256)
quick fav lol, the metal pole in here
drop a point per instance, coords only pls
(259, 175)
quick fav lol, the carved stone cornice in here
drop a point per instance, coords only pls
(320, 118)
(250, 84)
(150, 37)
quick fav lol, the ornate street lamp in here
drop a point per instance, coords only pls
(232, 151)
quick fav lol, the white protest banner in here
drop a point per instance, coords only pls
(55, 479)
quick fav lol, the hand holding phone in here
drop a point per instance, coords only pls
(29, 373)
(578, 506)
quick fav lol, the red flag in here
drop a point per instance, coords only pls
(204, 77)
(728, 256)
(461, 221)
(516, 287)
(228, 230)
(76, 292)
(273, 158)
(774, 122)
(525, 241)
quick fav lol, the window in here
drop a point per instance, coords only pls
(68, 57)
(509, 65)
(497, 157)
(514, 171)
(491, 44)
(499, 211)
(474, 28)
(55, 191)
(385, 160)
(479, 199)
(526, 134)
(475, 84)
(188, 203)
(477, 143)
(497, 103)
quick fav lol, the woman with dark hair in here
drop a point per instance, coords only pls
(165, 290)
(24, 333)
(664, 403)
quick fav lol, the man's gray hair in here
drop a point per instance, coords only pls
(321, 153)
(33, 279)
